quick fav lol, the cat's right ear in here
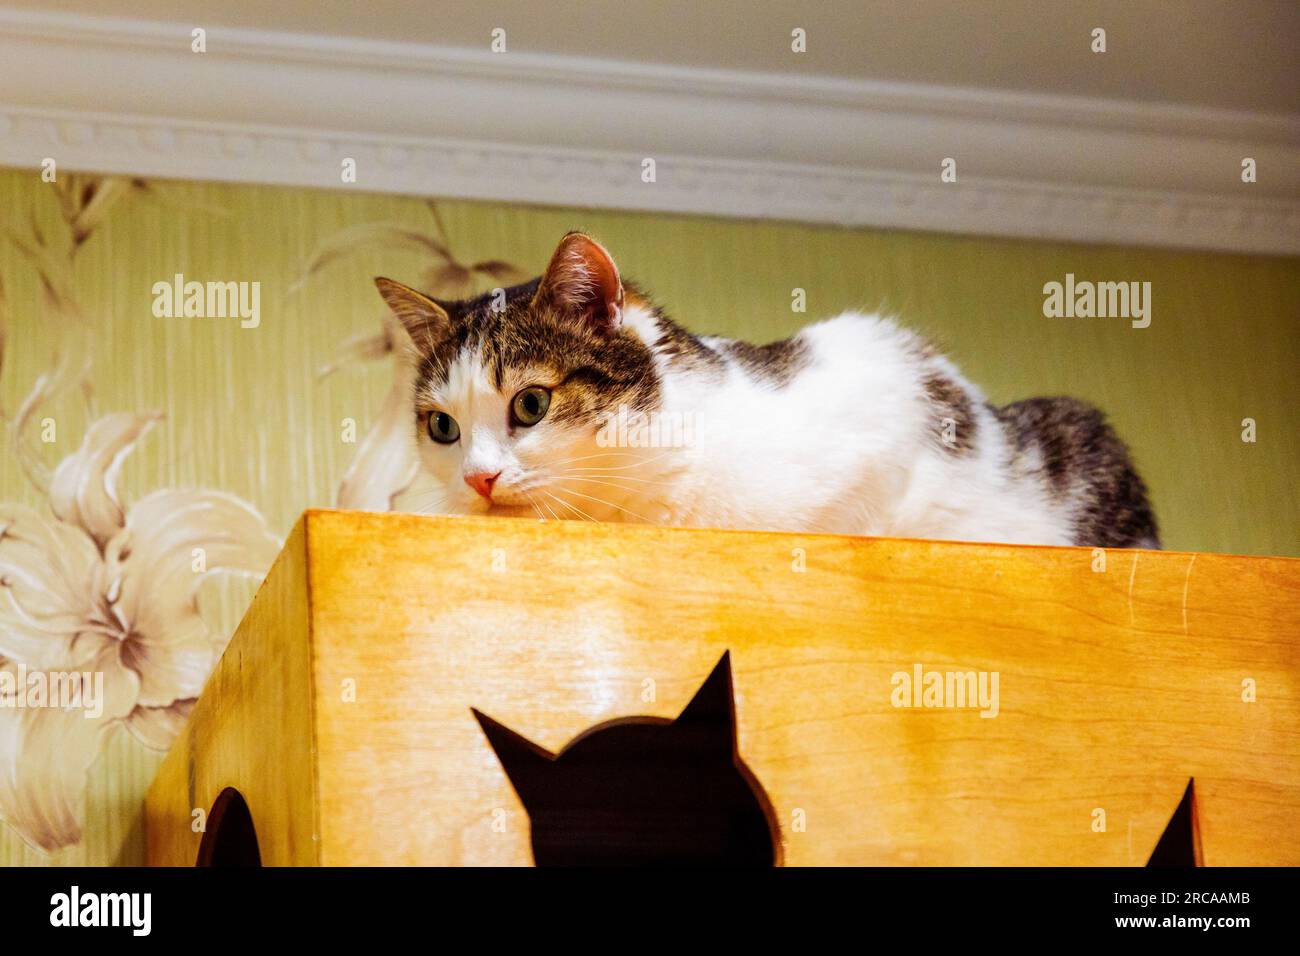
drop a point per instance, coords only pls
(582, 284)
(425, 321)
(710, 717)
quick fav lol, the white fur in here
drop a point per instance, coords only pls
(846, 446)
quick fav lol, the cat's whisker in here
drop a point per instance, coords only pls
(572, 507)
(605, 454)
(552, 510)
(595, 477)
(533, 504)
(599, 454)
(611, 504)
(425, 504)
(639, 463)
(626, 489)
(538, 506)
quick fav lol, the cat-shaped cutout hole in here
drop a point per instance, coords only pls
(645, 791)
(1180, 844)
(229, 838)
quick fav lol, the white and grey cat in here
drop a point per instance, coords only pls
(573, 396)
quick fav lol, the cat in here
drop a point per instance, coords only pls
(523, 399)
(644, 791)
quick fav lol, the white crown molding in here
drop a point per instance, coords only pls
(130, 97)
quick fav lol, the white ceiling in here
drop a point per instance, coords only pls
(1235, 54)
(1142, 145)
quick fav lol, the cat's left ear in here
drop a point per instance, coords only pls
(582, 282)
(526, 764)
(425, 321)
(711, 715)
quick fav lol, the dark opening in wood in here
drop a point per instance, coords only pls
(644, 791)
(229, 838)
(1180, 844)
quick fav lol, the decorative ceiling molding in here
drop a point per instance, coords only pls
(130, 97)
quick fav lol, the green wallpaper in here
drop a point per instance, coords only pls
(246, 412)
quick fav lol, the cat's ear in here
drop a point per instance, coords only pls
(525, 763)
(425, 321)
(582, 282)
(710, 717)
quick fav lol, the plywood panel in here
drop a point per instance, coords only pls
(251, 730)
(1116, 686)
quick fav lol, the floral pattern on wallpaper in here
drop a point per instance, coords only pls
(90, 585)
(384, 466)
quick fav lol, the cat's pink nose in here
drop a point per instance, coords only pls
(482, 482)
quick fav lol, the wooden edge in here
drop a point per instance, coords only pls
(263, 747)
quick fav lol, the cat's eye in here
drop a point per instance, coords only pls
(443, 428)
(530, 405)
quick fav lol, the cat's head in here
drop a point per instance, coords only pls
(644, 790)
(512, 388)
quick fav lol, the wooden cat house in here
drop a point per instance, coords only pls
(402, 688)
